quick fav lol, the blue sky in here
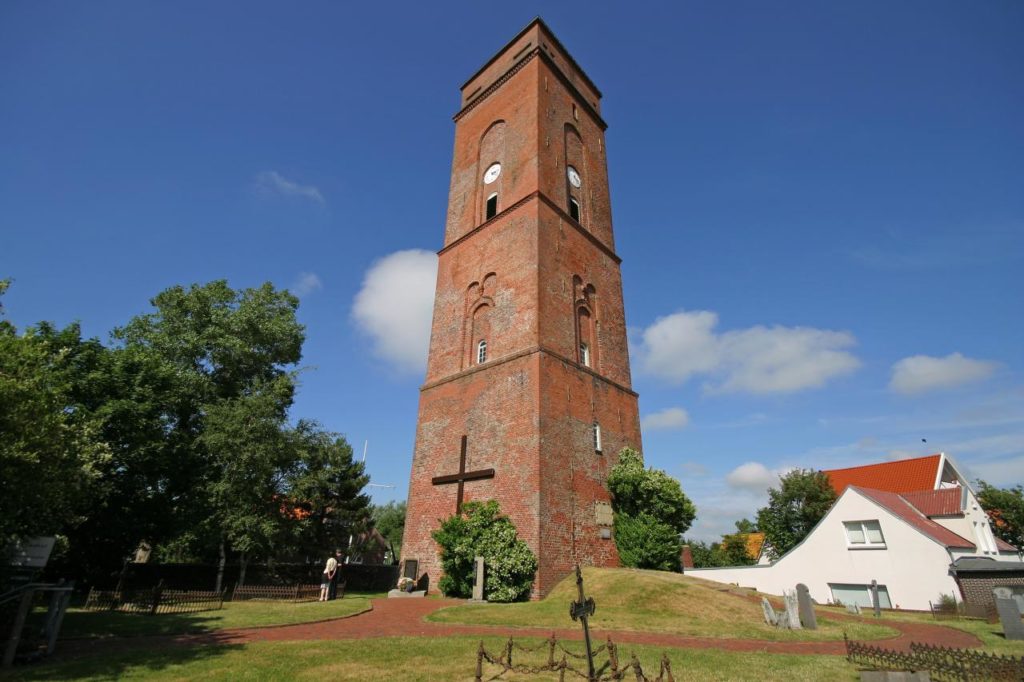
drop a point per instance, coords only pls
(820, 206)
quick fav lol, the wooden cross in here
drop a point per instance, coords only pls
(462, 476)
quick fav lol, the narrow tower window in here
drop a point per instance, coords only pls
(492, 206)
(574, 209)
(481, 352)
(584, 354)
(597, 437)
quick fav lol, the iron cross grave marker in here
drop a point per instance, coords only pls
(462, 476)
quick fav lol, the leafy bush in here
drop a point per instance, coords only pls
(651, 511)
(481, 530)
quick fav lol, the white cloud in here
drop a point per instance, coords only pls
(395, 305)
(305, 284)
(752, 476)
(271, 183)
(754, 360)
(669, 418)
(920, 373)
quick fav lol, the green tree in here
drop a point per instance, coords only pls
(389, 520)
(328, 484)
(51, 451)
(746, 526)
(705, 555)
(481, 530)
(803, 497)
(734, 550)
(650, 513)
(1005, 508)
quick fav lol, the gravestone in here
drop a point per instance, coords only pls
(410, 568)
(478, 580)
(807, 616)
(874, 599)
(1009, 616)
(770, 617)
(792, 615)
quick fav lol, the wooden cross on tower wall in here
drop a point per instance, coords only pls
(462, 476)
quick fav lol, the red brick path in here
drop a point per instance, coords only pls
(405, 618)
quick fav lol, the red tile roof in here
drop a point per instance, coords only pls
(904, 476)
(944, 502)
(904, 510)
(1004, 546)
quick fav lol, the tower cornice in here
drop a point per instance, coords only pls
(537, 194)
(515, 68)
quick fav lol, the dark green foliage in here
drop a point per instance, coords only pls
(650, 513)
(645, 542)
(389, 520)
(481, 530)
(803, 497)
(1005, 508)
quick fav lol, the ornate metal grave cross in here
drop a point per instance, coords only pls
(582, 610)
(462, 476)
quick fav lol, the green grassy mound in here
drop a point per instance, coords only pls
(656, 601)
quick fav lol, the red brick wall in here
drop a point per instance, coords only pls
(529, 410)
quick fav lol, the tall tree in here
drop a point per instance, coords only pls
(803, 497)
(51, 451)
(328, 484)
(650, 513)
(389, 520)
(1005, 507)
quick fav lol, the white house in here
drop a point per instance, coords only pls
(899, 523)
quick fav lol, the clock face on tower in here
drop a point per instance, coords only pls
(574, 177)
(492, 173)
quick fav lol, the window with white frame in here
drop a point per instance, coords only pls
(864, 534)
(481, 352)
(597, 437)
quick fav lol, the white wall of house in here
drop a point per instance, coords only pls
(913, 567)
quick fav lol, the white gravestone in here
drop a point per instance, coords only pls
(792, 615)
(770, 617)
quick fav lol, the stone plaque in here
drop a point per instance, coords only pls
(792, 615)
(410, 568)
(770, 616)
(807, 617)
(478, 580)
(1009, 616)
(603, 513)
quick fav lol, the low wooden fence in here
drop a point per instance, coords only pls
(155, 601)
(608, 671)
(954, 665)
(293, 593)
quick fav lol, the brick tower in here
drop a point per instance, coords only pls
(527, 398)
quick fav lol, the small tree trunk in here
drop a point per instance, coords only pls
(220, 566)
(243, 561)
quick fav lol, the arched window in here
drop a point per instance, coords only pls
(574, 209)
(597, 437)
(492, 206)
(481, 352)
(584, 354)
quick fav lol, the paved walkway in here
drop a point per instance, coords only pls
(405, 618)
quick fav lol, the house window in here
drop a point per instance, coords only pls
(584, 355)
(859, 595)
(574, 209)
(481, 352)
(861, 534)
(597, 437)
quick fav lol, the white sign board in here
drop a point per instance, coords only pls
(32, 553)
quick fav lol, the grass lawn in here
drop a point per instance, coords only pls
(246, 614)
(452, 658)
(655, 601)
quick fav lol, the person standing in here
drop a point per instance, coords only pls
(336, 576)
(327, 581)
